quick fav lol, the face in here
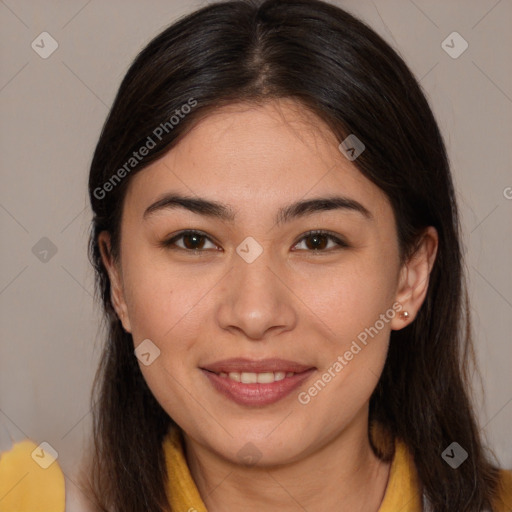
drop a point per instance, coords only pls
(267, 334)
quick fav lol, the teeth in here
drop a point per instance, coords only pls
(265, 378)
(253, 378)
(248, 378)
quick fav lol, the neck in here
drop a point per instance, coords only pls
(344, 475)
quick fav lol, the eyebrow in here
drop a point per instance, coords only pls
(285, 214)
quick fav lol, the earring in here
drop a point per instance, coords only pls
(404, 315)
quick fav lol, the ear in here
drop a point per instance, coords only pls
(414, 278)
(116, 287)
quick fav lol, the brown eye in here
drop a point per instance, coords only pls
(191, 241)
(318, 241)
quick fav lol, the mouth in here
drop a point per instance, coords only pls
(256, 383)
(256, 378)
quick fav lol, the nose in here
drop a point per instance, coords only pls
(256, 300)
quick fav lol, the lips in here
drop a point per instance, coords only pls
(241, 365)
(256, 383)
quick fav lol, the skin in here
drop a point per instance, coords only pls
(290, 303)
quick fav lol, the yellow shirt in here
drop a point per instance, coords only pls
(30, 480)
(183, 493)
(26, 486)
(402, 492)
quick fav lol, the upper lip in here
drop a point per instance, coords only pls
(256, 366)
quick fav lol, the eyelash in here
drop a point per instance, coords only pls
(170, 243)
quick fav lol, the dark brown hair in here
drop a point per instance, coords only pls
(340, 69)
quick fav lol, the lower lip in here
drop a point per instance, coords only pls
(257, 394)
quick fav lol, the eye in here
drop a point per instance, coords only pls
(192, 241)
(319, 241)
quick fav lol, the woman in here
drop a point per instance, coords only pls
(276, 242)
(276, 235)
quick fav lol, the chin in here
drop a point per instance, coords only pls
(261, 450)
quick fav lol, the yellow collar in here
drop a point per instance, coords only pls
(402, 491)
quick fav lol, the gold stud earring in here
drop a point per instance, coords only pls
(404, 315)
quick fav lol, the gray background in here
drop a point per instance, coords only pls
(52, 111)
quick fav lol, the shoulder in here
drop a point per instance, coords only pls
(503, 500)
(31, 479)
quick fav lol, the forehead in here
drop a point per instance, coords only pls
(278, 131)
(249, 155)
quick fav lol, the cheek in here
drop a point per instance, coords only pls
(355, 302)
(162, 298)
(164, 305)
(351, 296)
